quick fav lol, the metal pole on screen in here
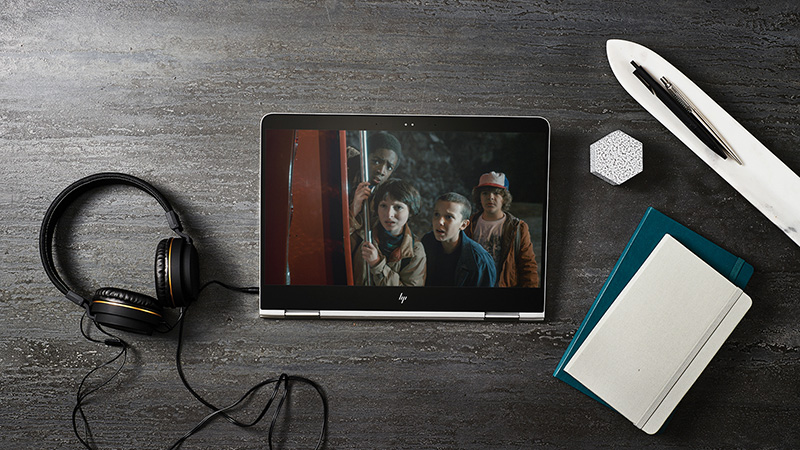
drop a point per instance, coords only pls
(362, 138)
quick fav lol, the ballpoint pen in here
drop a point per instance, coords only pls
(685, 116)
(689, 106)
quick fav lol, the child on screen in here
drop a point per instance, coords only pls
(504, 236)
(395, 257)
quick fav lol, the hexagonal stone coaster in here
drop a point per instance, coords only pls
(616, 158)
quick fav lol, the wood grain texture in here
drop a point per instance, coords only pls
(173, 92)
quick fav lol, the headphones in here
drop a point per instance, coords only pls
(177, 273)
(177, 278)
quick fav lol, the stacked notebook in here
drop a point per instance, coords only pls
(671, 301)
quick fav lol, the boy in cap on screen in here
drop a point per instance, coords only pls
(505, 237)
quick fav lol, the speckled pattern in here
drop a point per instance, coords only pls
(616, 158)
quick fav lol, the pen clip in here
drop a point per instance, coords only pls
(638, 72)
(687, 104)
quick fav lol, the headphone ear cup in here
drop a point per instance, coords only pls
(161, 273)
(125, 310)
(177, 272)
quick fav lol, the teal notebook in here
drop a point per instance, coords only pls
(648, 234)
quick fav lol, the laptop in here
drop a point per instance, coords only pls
(396, 217)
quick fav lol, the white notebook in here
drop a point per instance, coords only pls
(659, 334)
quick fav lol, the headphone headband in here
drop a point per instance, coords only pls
(69, 195)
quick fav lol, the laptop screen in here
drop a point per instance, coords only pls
(403, 217)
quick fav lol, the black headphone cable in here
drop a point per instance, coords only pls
(283, 380)
(112, 341)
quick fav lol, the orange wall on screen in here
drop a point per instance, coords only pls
(316, 236)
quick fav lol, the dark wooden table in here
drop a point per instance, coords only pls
(173, 92)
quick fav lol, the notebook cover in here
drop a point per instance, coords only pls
(652, 228)
(692, 373)
(653, 335)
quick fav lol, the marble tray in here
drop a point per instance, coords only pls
(762, 179)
